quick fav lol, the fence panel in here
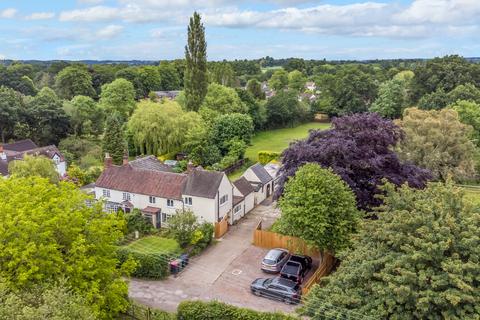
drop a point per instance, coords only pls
(221, 227)
(328, 262)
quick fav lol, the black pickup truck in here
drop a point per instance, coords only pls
(296, 268)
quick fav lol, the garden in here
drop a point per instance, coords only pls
(154, 250)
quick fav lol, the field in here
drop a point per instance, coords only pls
(275, 140)
(154, 244)
(472, 193)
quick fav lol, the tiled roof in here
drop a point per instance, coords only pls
(151, 210)
(243, 186)
(148, 182)
(237, 200)
(202, 183)
(20, 146)
(261, 173)
(150, 163)
(48, 151)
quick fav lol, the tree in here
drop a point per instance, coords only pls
(169, 77)
(319, 207)
(43, 302)
(417, 261)
(391, 100)
(118, 96)
(195, 78)
(229, 126)
(359, 149)
(86, 118)
(182, 226)
(74, 81)
(255, 89)
(223, 100)
(11, 104)
(114, 142)
(31, 166)
(256, 108)
(467, 92)
(160, 128)
(284, 109)
(223, 73)
(296, 81)
(434, 101)
(48, 233)
(47, 121)
(149, 78)
(469, 114)
(279, 80)
(131, 74)
(439, 142)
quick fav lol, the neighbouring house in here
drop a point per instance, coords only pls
(261, 181)
(150, 186)
(311, 86)
(167, 94)
(273, 170)
(17, 151)
(243, 199)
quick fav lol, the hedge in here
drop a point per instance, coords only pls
(199, 310)
(265, 157)
(150, 265)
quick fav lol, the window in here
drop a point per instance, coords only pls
(237, 208)
(224, 199)
(127, 196)
(170, 203)
(112, 207)
(151, 199)
(165, 217)
(106, 193)
(188, 201)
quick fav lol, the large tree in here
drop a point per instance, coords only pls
(86, 118)
(48, 233)
(279, 80)
(296, 81)
(118, 96)
(255, 89)
(392, 99)
(73, 81)
(319, 207)
(159, 128)
(195, 78)
(11, 103)
(169, 77)
(114, 141)
(469, 113)
(230, 126)
(438, 141)
(284, 109)
(419, 260)
(359, 149)
(31, 166)
(223, 100)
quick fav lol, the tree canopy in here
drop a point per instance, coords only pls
(319, 207)
(419, 260)
(31, 166)
(359, 149)
(74, 81)
(392, 99)
(223, 100)
(86, 118)
(114, 142)
(118, 96)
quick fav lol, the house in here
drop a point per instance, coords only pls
(273, 170)
(260, 180)
(150, 186)
(167, 94)
(17, 151)
(243, 199)
(310, 86)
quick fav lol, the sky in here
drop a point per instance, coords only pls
(157, 29)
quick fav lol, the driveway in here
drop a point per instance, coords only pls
(224, 271)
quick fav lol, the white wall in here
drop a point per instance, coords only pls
(249, 202)
(225, 188)
(250, 175)
(62, 168)
(203, 208)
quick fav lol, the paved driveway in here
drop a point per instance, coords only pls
(224, 272)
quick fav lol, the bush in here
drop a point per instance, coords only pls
(149, 265)
(265, 157)
(182, 226)
(206, 230)
(199, 310)
(137, 222)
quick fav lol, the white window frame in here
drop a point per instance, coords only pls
(106, 193)
(126, 196)
(188, 201)
(152, 199)
(170, 203)
(165, 217)
(237, 208)
(224, 199)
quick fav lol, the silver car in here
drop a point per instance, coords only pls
(274, 260)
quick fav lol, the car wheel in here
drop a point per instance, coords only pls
(256, 292)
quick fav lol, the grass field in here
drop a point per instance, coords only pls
(154, 244)
(275, 140)
(472, 193)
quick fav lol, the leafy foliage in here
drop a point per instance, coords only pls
(469, 113)
(265, 157)
(34, 166)
(359, 149)
(223, 100)
(284, 109)
(114, 142)
(182, 226)
(118, 96)
(392, 99)
(279, 80)
(419, 260)
(86, 118)
(11, 105)
(74, 81)
(229, 126)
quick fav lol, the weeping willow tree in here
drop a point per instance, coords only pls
(159, 128)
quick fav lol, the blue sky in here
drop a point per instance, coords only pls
(156, 29)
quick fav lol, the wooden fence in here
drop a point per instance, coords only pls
(327, 265)
(221, 227)
(269, 240)
(235, 166)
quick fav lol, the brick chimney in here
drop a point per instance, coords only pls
(125, 158)
(190, 166)
(108, 161)
(3, 156)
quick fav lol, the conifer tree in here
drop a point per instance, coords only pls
(114, 138)
(195, 79)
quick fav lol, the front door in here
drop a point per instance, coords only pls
(268, 190)
(158, 218)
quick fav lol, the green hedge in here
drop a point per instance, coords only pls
(265, 157)
(199, 310)
(150, 265)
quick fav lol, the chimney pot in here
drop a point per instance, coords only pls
(190, 166)
(108, 160)
(125, 158)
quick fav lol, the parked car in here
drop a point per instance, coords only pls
(296, 268)
(277, 288)
(274, 260)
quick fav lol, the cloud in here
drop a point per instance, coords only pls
(90, 1)
(97, 13)
(8, 13)
(109, 32)
(40, 16)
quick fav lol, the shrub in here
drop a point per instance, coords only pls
(206, 230)
(182, 226)
(137, 222)
(265, 157)
(149, 265)
(199, 310)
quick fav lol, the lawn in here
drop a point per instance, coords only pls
(472, 193)
(275, 140)
(155, 245)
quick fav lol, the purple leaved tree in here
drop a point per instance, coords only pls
(359, 148)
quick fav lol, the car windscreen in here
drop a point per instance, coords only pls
(269, 261)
